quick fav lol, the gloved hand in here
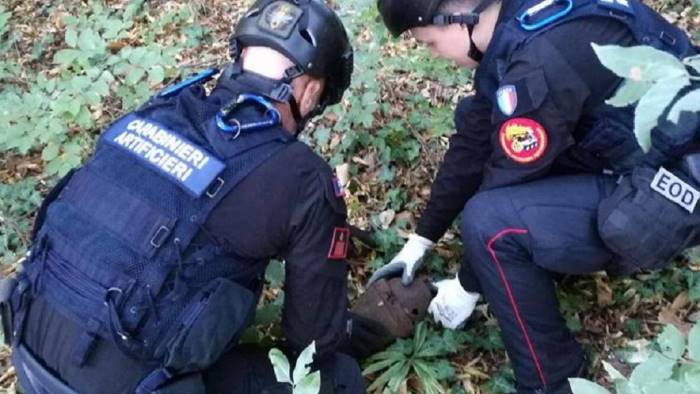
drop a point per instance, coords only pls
(452, 305)
(407, 262)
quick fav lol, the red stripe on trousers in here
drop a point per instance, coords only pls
(516, 311)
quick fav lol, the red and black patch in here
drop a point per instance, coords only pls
(523, 140)
(339, 243)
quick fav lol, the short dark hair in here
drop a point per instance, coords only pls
(456, 6)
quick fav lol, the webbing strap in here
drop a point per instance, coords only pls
(7, 287)
(153, 381)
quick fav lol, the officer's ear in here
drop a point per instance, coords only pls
(310, 94)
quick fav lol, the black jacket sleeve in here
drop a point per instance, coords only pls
(315, 305)
(460, 173)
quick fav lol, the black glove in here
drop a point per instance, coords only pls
(367, 336)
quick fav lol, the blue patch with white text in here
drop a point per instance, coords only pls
(168, 153)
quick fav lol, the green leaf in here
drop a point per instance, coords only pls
(394, 375)
(306, 357)
(613, 372)
(655, 369)
(66, 56)
(280, 364)
(71, 37)
(640, 63)
(309, 384)
(668, 386)
(274, 273)
(134, 76)
(692, 378)
(50, 152)
(689, 102)
(629, 93)
(625, 387)
(156, 75)
(671, 342)
(88, 40)
(378, 366)
(583, 386)
(652, 105)
(694, 343)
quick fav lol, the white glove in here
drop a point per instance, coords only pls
(407, 262)
(452, 305)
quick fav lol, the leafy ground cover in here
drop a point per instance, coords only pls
(68, 68)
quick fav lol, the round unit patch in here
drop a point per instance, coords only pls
(523, 140)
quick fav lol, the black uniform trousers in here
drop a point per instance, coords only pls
(517, 239)
(244, 369)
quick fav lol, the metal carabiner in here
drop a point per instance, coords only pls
(237, 127)
(524, 18)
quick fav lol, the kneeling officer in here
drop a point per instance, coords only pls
(147, 262)
(549, 179)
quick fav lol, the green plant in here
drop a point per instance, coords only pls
(95, 63)
(672, 366)
(422, 356)
(653, 79)
(17, 205)
(267, 324)
(302, 380)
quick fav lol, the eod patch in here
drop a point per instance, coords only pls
(674, 189)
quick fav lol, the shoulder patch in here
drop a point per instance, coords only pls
(339, 243)
(520, 95)
(523, 140)
(279, 18)
(507, 98)
(338, 187)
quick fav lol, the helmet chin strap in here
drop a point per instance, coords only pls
(277, 90)
(470, 20)
(299, 120)
(474, 53)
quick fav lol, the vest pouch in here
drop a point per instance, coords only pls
(642, 226)
(611, 139)
(212, 321)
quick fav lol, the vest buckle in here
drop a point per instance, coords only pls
(160, 236)
(667, 38)
(215, 188)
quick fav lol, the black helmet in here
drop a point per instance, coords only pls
(402, 15)
(309, 33)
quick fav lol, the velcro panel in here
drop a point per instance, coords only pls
(140, 225)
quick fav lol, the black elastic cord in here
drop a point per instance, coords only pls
(296, 114)
(474, 53)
